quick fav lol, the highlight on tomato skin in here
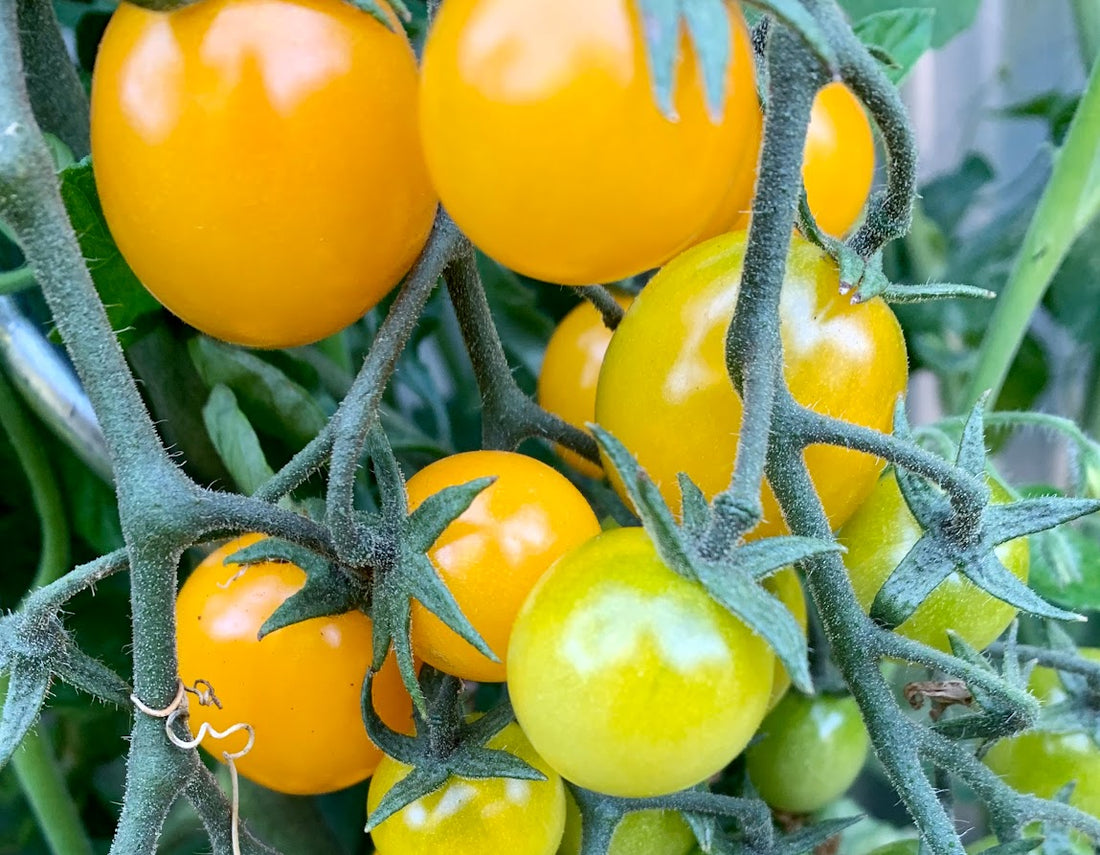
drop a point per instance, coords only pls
(299, 688)
(629, 679)
(578, 195)
(270, 214)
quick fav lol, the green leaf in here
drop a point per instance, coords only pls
(236, 441)
(27, 685)
(1082, 594)
(951, 16)
(902, 34)
(127, 302)
(270, 398)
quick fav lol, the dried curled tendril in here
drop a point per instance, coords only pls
(202, 690)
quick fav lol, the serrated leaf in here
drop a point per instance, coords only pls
(127, 301)
(264, 392)
(235, 440)
(902, 34)
(28, 684)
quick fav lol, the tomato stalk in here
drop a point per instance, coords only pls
(1069, 205)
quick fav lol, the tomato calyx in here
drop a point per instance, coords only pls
(732, 578)
(446, 744)
(961, 537)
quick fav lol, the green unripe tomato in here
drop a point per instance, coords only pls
(809, 752)
(878, 537)
(647, 832)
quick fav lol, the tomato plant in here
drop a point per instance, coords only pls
(879, 535)
(508, 102)
(809, 752)
(664, 391)
(630, 680)
(495, 552)
(570, 369)
(473, 816)
(270, 213)
(788, 587)
(299, 687)
(644, 832)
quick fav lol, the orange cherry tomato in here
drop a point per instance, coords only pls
(495, 552)
(544, 139)
(259, 164)
(570, 369)
(299, 688)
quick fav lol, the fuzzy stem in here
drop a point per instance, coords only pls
(1068, 205)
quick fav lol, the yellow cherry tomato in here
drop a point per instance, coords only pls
(474, 816)
(495, 552)
(259, 164)
(665, 393)
(544, 139)
(299, 687)
(570, 369)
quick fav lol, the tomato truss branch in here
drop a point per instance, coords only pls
(508, 416)
(605, 304)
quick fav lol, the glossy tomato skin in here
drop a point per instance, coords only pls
(570, 369)
(788, 587)
(629, 679)
(544, 139)
(1042, 762)
(645, 832)
(665, 393)
(299, 687)
(495, 552)
(810, 751)
(838, 166)
(880, 534)
(259, 163)
(470, 817)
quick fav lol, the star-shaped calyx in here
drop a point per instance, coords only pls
(446, 743)
(732, 578)
(961, 537)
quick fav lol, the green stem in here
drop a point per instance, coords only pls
(1070, 202)
(1087, 15)
(14, 281)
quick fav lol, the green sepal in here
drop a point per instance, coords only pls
(808, 838)
(327, 591)
(1029, 516)
(972, 451)
(661, 24)
(796, 17)
(375, 9)
(693, 505)
(28, 685)
(763, 558)
(929, 291)
(708, 26)
(88, 674)
(276, 549)
(445, 744)
(1015, 847)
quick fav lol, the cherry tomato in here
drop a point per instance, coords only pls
(645, 832)
(665, 393)
(570, 369)
(495, 552)
(299, 687)
(629, 679)
(545, 141)
(881, 533)
(474, 816)
(810, 751)
(1042, 762)
(259, 164)
(838, 165)
(788, 587)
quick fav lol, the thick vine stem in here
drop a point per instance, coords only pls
(754, 352)
(508, 416)
(352, 422)
(850, 631)
(890, 212)
(1045, 657)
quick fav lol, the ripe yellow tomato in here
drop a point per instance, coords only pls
(546, 144)
(665, 393)
(259, 164)
(570, 369)
(838, 165)
(299, 688)
(495, 552)
(475, 816)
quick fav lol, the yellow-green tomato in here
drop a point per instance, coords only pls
(788, 587)
(474, 816)
(809, 752)
(628, 678)
(878, 537)
(645, 832)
